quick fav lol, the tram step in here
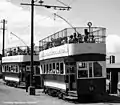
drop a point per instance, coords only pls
(22, 84)
(72, 93)
(70, 97)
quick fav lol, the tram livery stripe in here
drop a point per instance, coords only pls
(55, 84)
(12, 79)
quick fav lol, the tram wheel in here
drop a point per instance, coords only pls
(60, 95)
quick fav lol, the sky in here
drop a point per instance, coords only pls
(102, 13)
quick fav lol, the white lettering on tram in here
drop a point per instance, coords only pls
(54, 52)
(72, 49)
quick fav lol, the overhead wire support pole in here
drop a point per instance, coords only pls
(3, 28)
(32, 40)
(50, 6)
(32, 33)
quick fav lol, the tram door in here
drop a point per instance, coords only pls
(22, 72)
(70, 67)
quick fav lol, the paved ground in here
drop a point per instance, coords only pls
(17, 96)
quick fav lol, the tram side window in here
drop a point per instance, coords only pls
(97, 68)
(47, 69)
(50, 68)
(82, 65)
(20, 68)
(16, 69)
(54, 69)
(90, 69)
(61, 68)
(57, 68)
(13, 68)
(41, 69)
(44, 69)
(7, 68)
(37, 70)
(3, 68)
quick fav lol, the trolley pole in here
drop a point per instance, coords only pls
(67, 22)
(32, 88)
(89, 25)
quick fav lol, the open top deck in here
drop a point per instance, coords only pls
(21, 50)
(74, 35)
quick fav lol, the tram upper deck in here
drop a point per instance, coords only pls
(20, 54)
(74, 35)
(21, 50)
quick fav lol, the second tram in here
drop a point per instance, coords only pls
(16, 66)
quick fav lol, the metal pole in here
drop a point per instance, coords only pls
(3, 37)
(32, 36)
(32, 87)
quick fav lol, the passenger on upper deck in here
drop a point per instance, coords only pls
(79, 38)
(71, 39)
(86, 35)
(28, 51)
(93, 39)
(75, 40)
(64, 40)
(14, 52)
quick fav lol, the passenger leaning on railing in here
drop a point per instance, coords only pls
(79, 38)
(75, 39)
(71, 39)
(86, 35)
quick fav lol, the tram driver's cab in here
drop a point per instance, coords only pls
(89, 69)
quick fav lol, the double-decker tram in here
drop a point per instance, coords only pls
(16, 65)
(72, 62)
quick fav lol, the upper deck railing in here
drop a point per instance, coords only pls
(74, 35)
(21, 50)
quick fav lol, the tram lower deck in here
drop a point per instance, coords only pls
(75, 77)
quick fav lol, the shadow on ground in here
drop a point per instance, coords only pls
(98, 99)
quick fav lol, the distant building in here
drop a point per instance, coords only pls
(0, 64)
(113, 71)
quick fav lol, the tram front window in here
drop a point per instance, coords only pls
(97, 69)
(82, 73)
(82, 69)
